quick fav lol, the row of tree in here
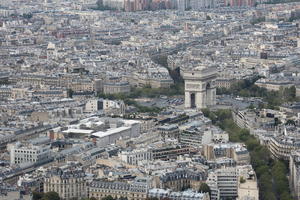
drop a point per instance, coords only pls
(45, 196)
(271, 174)
(281, 1)
(273, 99)
(131, 102)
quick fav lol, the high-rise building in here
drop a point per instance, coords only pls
(295, 174)
(223, 183)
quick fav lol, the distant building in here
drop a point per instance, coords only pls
(273, 85)
(186, 195)
(237, 152)
(115, 88)
(132, 191)
(133, 157)
(23, 153)
(180, 179)
(94, 105)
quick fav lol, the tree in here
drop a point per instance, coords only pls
(70, 93)
(109, 197)
(93, 198)
(37, 195)
(251, 106)
(51, 196)
(27, 16)
(204, 188)
(208, 17)
(242, 180)
(123, 198)
(290, 122)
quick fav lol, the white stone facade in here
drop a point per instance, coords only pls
(200, 87)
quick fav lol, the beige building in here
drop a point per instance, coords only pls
(281, 147)
(180, 179)
(116, 87)
(39, 116)
(79, 85)
(132, 191)
(154, 82)
(276, 86)
(235, 151)
(50, 93)
(67, 182)
(225, 82)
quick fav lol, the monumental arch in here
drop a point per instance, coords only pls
(200, 87)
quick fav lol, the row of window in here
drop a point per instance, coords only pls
(28, 151)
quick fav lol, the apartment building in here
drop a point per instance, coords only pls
(21, 153)
(68, 181)
(282, 146)
(137, 190)
(223, 183)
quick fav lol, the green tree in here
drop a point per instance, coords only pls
(109, 197)
(37, 195)
(251, 106)
(70, 93)
(272, 175)
(204, 188)
(290, 122)
(286, 196)
(242, 180)
(51, 196)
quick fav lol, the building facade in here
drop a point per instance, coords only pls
(200, 87)
(294, 179)
(67, 182)
(28, 153)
